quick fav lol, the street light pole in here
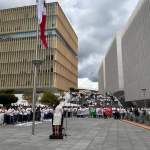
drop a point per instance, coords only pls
(144, 94)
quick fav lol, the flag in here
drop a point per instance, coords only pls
(41, 12)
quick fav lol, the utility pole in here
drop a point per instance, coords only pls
(144, 94)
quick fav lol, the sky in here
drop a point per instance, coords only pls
(95, 23)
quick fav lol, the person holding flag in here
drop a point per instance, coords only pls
(41, 12)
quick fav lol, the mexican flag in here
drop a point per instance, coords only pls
(41, 13)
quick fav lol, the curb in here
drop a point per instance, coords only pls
(137, 124)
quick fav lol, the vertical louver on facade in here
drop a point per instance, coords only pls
(18, 44)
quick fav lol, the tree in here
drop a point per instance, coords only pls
(28, 97)
(7, 97)
(72, 89)
(49, 99)
(9, 91)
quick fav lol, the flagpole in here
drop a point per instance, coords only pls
(35, 63)
(34, 81)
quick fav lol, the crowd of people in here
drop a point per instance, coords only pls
(140, 113)
(114, 112)
(95, 106)
(20, 113)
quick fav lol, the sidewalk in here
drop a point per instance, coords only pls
(137, 124)
(84, 134)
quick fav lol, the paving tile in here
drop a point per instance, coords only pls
(83, 134)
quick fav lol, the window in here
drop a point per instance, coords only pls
(39, 46)
(52, 57)
(48, 57)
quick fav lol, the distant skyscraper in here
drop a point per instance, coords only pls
(18, 44)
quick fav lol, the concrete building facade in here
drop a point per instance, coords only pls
(127, 61)
(101, 78)
(111, 71)
(17, 50)
(136, 54)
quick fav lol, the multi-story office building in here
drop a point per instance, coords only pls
(127, 62)
(18, 44)
(136, 54)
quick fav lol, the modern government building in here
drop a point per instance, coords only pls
(18, 44)
(125, 69)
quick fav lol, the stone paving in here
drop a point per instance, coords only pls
(83, 134)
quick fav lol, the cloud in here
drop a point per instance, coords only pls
(95, 23)
(85, 83)
(15, 3)
(90, 69)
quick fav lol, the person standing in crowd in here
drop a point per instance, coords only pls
(99, 112)
(2, 112)
(38, 114)
(105, 113)
(92, 112)
(117, 113)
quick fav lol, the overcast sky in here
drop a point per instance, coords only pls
(95, 22)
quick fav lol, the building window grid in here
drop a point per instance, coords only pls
(15, 81)
(4, 81)
(54, 44)
(11, 79)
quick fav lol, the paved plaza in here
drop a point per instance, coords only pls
(83, 134)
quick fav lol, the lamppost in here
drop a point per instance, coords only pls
(144, 94)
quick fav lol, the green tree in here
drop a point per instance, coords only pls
(28, 97)
(9, 91)
(7, 97)
(49, 99)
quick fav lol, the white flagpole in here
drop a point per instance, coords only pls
(35, 63)
(34, 87)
